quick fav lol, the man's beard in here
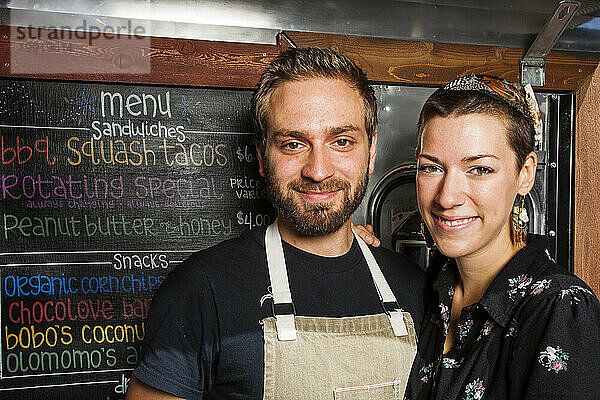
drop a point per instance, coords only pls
(314, 219)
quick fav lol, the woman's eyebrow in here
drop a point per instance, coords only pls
(430, 157)
(464, 160)
(479, 156)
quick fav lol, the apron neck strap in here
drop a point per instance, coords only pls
(386, 296)
(286, 329)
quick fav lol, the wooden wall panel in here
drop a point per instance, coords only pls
(225, 64)
(587, 182)
(433, 64)
(171, 61)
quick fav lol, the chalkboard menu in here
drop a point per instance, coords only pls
(105, 189)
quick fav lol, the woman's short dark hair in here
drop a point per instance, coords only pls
(453, 103)
(297, 64)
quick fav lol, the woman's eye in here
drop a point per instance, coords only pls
(482, 170)
(428, 169)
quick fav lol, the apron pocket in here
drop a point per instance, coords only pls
(388, 390)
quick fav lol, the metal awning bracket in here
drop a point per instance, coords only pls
(533, 71)
(533, 64)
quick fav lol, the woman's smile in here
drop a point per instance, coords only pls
(453, 224)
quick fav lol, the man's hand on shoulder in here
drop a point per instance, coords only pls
(366, 234)
(138, 390)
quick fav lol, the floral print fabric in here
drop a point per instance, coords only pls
(554, 359)
(534, 334)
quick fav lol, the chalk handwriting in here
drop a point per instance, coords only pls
(198, 226)
(49, 311)
(60, 187)
(142, 129)
(136, 153)
(55, 361)
(184, 188)
(146, 104)
(38, 284)
(22, 153)
(140, 261)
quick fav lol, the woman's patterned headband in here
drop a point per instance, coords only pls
(521, 98)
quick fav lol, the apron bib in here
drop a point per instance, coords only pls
(350, 358)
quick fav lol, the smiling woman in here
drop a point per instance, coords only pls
(467, 181)
(504, 320)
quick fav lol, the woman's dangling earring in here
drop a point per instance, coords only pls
(519, 221)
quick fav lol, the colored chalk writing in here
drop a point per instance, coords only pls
(105, 189)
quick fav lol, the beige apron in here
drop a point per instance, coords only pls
(365, 357)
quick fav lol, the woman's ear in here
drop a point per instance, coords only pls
(527, 174)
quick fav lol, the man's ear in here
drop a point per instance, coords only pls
(372, 152)
(527, 174)
(261, 165)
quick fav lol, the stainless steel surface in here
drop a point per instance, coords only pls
(537, 200)
(494, 22)
(402, 174)
(396, 189)
(533, 64)
(552, 30)
(398, 113)
(561, 177)
(533, 72)
(149, 27)
(535, 208)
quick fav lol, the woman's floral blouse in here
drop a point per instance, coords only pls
(535, 334)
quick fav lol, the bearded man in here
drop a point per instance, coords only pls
(301, 310)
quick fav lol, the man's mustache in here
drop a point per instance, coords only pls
(330, 185)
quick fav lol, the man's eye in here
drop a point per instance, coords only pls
(292, 145)
(342, 142)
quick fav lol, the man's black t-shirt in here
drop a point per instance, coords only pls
(203, 336)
